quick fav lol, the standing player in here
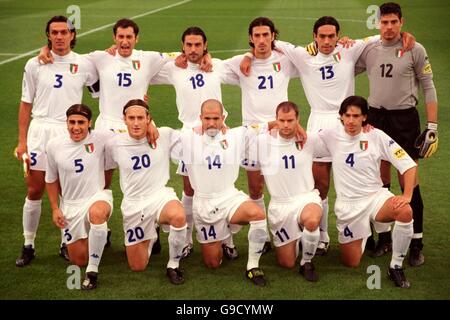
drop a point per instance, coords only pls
(144, 172)
(394, 79)
(264, 88)
(294, 203)
(47, 92)
(212, 160)
(193, 86)
(360, 196)
(75, 169)
(327, 79)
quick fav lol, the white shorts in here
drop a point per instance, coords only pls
(141, 215)
(284, 216)
(76, 215)
(323, 120)
(212, 215)
(353, 217)
(40, 132)
(106, 123)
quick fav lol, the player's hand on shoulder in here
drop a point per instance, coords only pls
(346, 42)
(45, 56)
(112, 50)
(206, 63)
(408, 41)
(367, 128)
(181, 61)
(246, 63)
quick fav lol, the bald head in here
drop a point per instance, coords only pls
(212, 105)
(212, 117)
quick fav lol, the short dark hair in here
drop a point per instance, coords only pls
(194, 31)
(391, 7)
(70, 27)
(325, 20)
(125, 23)
(263, 21)
(80, 109)
(287, 106)
(135, 102)
(355, 101)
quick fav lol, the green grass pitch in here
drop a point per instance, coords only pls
(225, 23)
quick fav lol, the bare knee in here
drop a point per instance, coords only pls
(97, 215)
(256, 214)
(286, 263)
(35, 193)
(212, 263)
(178, 220)
(403, 214)
(312, 223)
(137, 266)
(79, 260)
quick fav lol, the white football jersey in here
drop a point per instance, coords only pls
(192, 86)
(123, 79)
(143, 170)
(326, 79)
(53, 88)
(212, 163)
(286, 165)
(357, 159)
(79, 166)
(266, 86)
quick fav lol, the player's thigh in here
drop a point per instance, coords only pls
(137, 255)
(35, 184)
(247, 211)
(255, 183)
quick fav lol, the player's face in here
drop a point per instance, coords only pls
(78, 127)
(60, 37)
(137, 120)
(326, 38)
(390, 26)
(212, 120)
(353, 120)
(286, 123)
(125, 40)
(194, 48)
(262, 39)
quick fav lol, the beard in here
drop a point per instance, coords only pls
(212, 132)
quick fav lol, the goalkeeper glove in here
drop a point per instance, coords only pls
(427, 142)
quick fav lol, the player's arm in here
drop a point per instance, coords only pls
(45, 56)
(427, 142)
(24, 123)
(53, 195)
(409, 177)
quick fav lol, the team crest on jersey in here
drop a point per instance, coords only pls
(277, 66)
(73, 68)
(224, 144)
(364, 145)
(399, 53)
(337, 57)
(89, 147)
(136, 64)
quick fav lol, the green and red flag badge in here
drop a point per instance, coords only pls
(298, 145)
(224, 144)
(277, 66)
(399, 53)
(364, 145)
(337, 57)
(136, 64)
(73, 68)
(89, 147)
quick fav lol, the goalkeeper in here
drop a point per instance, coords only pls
(394, 79)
